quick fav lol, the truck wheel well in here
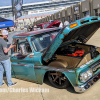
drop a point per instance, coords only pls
(45, 76)
(46, 79)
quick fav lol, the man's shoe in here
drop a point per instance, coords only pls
(13, 84)
(2, 84)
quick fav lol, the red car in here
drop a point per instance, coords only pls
(49, 24)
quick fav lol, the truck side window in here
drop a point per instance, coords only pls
(27, 45)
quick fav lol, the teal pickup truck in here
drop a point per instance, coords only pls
(61, 54)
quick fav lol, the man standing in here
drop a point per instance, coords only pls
(66, 22)
(61, 24)
(5, 61)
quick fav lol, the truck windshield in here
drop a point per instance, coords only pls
(41, 41)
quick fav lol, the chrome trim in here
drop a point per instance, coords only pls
(82, 88)
(22, 65)
(43, 67)
(51, 68)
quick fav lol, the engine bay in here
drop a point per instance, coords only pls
(73, 51)
(77, 50)
(75, 54)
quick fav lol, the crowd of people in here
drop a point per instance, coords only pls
(65, 23)
(34, 27)
(31, 27)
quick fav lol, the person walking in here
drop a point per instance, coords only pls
(66, 22)
(8, 29)
(35, 27)
(5, 61)
(61, 24)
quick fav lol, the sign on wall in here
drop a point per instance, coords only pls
(76, 8)
(17, 8)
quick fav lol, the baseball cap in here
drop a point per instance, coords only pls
(5, 32)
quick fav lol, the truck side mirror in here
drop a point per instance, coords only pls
(23, 49)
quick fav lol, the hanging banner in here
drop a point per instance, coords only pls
(17, 8)
(76, 8)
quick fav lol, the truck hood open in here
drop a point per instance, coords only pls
(80, 31)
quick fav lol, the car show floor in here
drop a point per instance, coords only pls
(30, 91)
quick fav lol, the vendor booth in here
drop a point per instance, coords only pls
(69, 14)
(96, 7)
(85, 8)
(76, 10)
(5, 23)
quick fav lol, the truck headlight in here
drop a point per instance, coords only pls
(86, 75)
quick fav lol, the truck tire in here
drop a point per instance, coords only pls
(58, 79)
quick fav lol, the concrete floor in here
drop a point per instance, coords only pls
(22, 89)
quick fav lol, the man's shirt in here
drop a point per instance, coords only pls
(3, 56)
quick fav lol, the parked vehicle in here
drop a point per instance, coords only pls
(49, 24)
(63, 55)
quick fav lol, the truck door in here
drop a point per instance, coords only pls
(23, 65)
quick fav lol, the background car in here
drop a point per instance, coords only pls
(49, 24)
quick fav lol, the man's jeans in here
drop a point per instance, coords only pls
(6, 64)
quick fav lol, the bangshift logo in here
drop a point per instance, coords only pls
(2, 25)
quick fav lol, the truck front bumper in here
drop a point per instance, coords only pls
(88, 84)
